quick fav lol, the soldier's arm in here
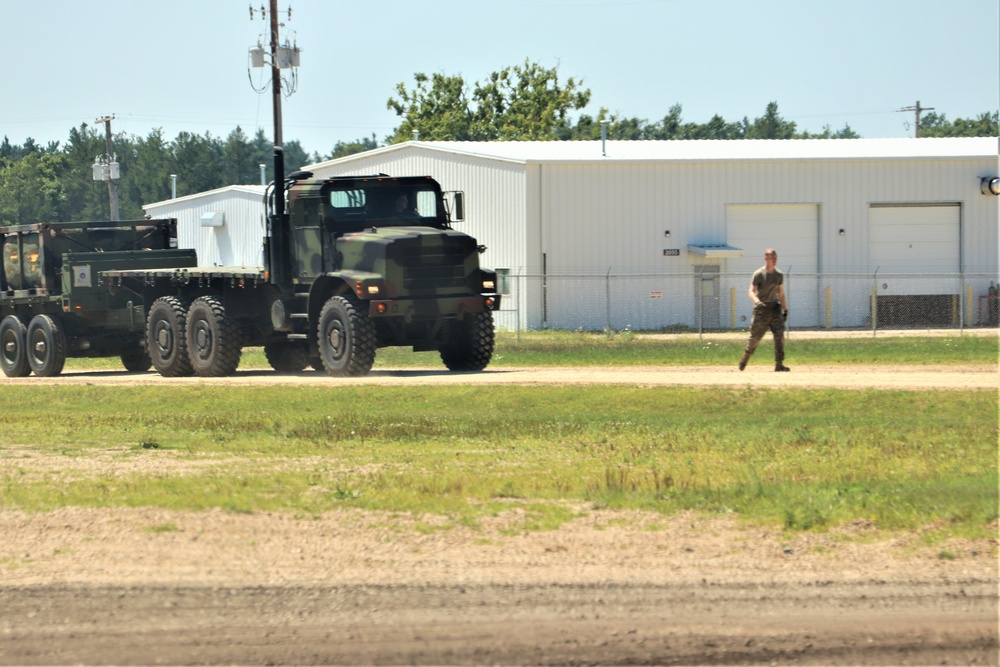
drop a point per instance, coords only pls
(781, 297)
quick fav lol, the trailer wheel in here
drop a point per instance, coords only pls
(166, 337)
(346, 338)
(287, 356)
(214, 340)
(46, 346)
(136, 361)
(468, 343)
(13, 340)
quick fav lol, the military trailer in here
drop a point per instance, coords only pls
(352, 264)
(54, 303)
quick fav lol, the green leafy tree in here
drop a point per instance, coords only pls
(437, 108)
(145, 173)
(524, 102)
(33, 189)
(296, 157)
(197, 161)
(828, 133)
(770, 126)
(986, 124)
(345, 148)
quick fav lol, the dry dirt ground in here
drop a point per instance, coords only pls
(147, 586)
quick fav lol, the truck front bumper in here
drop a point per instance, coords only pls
(433, 308)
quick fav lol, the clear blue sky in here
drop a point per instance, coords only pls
(182, 65)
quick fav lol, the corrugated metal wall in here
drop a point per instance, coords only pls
(615, 215)
(239, 242)
(602, 217)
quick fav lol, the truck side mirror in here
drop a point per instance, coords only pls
(456, 205)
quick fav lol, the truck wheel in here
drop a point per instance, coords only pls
(46, 346)
(346, 338)
(136, 361)
(13, 339)
(287, 356)
(468, 343)
(214, 341)
(166, 337)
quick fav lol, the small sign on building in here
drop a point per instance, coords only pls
(671, 252)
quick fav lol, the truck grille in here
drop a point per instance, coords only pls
(433, 268)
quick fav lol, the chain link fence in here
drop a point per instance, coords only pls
(709, 300)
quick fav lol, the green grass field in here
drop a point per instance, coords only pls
(562, 348)
(804, 459)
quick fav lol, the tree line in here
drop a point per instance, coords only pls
(55, 182)
(518, 103)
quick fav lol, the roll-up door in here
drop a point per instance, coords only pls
(793, 231)
(914, 253)
(914, 239)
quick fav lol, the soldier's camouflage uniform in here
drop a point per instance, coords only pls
(767, 315)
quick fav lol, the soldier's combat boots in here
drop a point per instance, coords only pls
(781, 368)
(744, 359)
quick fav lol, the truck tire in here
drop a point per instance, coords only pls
(13, 343)
(136, 361)
(346, 338)
(287, 356)
(468, 342)
(46, 348)
(166, 337)
(214, 341)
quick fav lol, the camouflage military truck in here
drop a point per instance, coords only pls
(356, 263)
(54, 303)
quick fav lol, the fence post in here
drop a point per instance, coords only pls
(874, 302)
(700, 296)
(607, 302)
(517, 304)
(732, 307)
(968, 303)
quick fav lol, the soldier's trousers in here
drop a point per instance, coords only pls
(767, 317)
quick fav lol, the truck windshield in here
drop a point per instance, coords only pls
(384, 206)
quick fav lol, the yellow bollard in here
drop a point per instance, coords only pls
(732, 307)
(829, 307)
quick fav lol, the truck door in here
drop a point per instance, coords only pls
(307, 240)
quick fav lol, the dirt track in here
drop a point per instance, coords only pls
(848, 377)
(144, 586)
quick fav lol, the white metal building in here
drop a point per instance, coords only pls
(226, 226)
(871, 209)
(655, 234)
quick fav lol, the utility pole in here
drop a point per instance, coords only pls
(283, 56)
(276, 77)
(917, 110)
(110, 172)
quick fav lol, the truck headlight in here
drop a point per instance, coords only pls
(489, 285)
(367, 288)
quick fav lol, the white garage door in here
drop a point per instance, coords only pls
(914, 239)
(793, 231)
